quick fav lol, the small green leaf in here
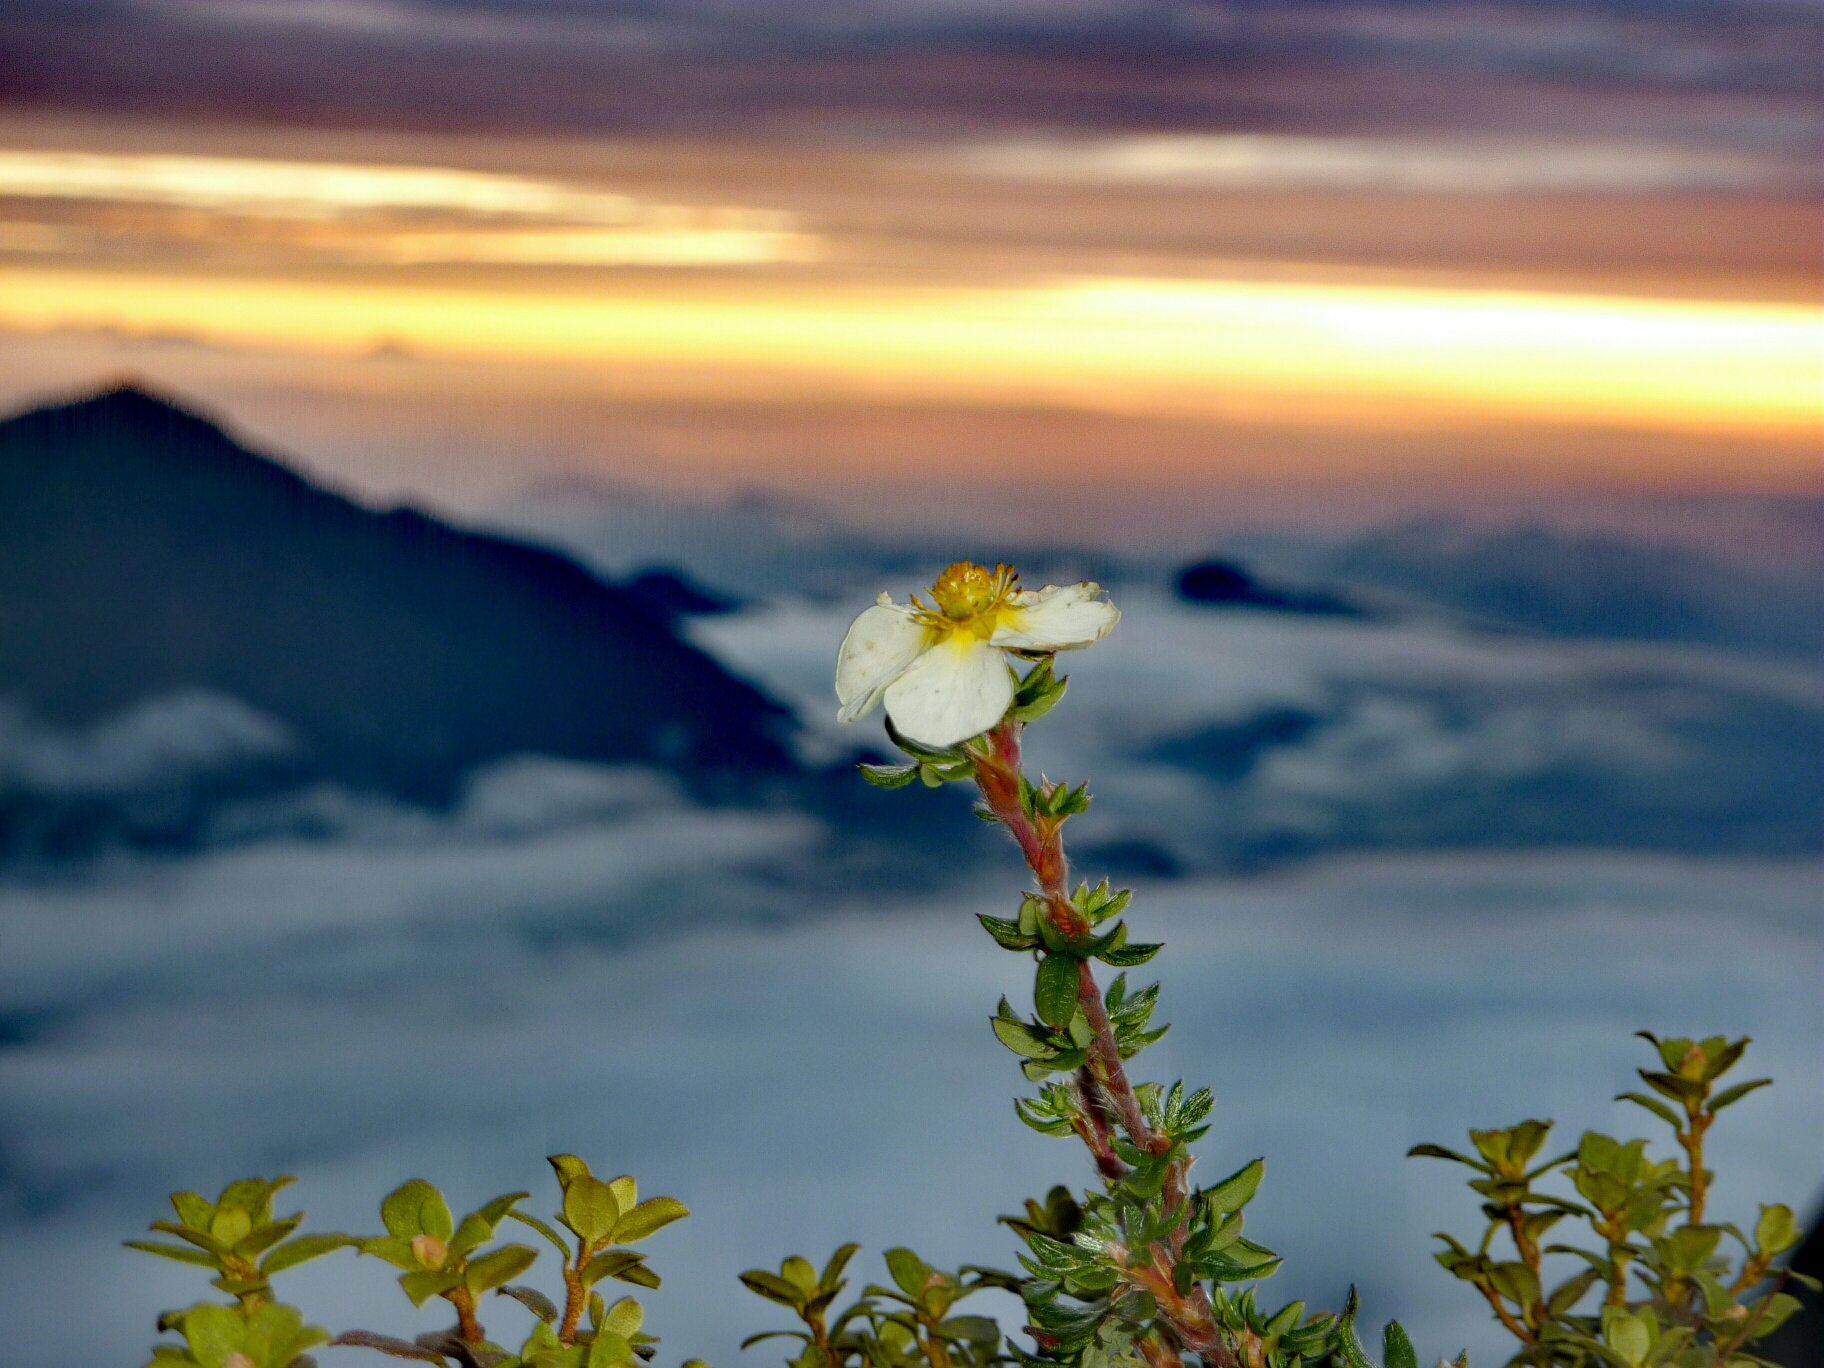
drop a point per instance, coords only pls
(1020, 1038)
(607, 1350)
(388, 1344)
(1238, 1189)
(1125, 956)
(1658, 1108)
(1780, 1306)
(416, 1208)
(1774, 1232)
(193, 1209)
(889, 776)
(624, 1318)
(637, 1274)
(499, 1266)
(590, 1208)
(1571, 1291)
(648, 1217)
(908, 1270)
(1396, 1348)
(610, 1263)
(533, 1300)
(832, 1271)
(297, 1251)
(563, 1249)
(568, 1168)
(1007, 933)
(1728, 1096)
(1054, 990)
(420, 1287)
(181, 1253)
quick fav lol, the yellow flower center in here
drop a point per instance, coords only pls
(969, 597)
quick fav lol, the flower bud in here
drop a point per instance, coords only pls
(430, 1250)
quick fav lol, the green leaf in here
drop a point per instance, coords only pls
(297, 1251)
(1127, 956)
(495, 1210)
(1732, 1095)
(624, 1318)
(193, 1209)
(1396, 1347)
(563, 1249)
(637, 1274)
(388, 1344)
(1629, 1336)
(648, 1217)
(1054, 991)
(416, 1208)
(1007, 933)
(1430, 1151)
(420, 1287)
(971, 1329)
(590, 1208)
(607, 1350)
(1571, 1291)
(1779, 1306)
(889, 776)
(1020, 1038)
(202, 1239)
(798, 1335)
(832, 1271)
(533, 1300)
(908, 1270)
(264, 1237)
(609, 1263)
(1042, 702)
(1238, 1189)
(181, 1253)
(568, 1168)
(1658, 1108)
(499, 1266)
(1774, 1232)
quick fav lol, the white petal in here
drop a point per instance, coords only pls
(1058, 618)
(881, 645)
(957, 690)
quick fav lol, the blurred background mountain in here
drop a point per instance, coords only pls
(448, 440)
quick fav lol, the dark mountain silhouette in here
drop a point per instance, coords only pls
(1225, 584)
(143, 552)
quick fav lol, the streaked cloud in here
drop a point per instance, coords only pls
(377, 214)
(1259, 161)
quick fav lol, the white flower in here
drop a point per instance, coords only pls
(942, 670)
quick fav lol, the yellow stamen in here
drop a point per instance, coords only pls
(967, 590)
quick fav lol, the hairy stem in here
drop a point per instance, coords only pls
(1741, 1336)
(1514, 1328)
(1692, 1138)
(466, 1324)
(1104, 1077)
(574, 1297)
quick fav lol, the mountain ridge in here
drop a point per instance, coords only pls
(145, 552)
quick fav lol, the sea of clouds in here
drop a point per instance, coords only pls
(581, 958)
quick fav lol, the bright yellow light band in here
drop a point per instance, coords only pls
(1366, 355)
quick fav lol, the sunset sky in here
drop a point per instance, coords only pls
(1396, 274)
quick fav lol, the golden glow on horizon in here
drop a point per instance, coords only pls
(1378, 357)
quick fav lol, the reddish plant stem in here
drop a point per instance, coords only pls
(575, 1295)
(1094, 1124)
(466, 1325)
(1104, 1077)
